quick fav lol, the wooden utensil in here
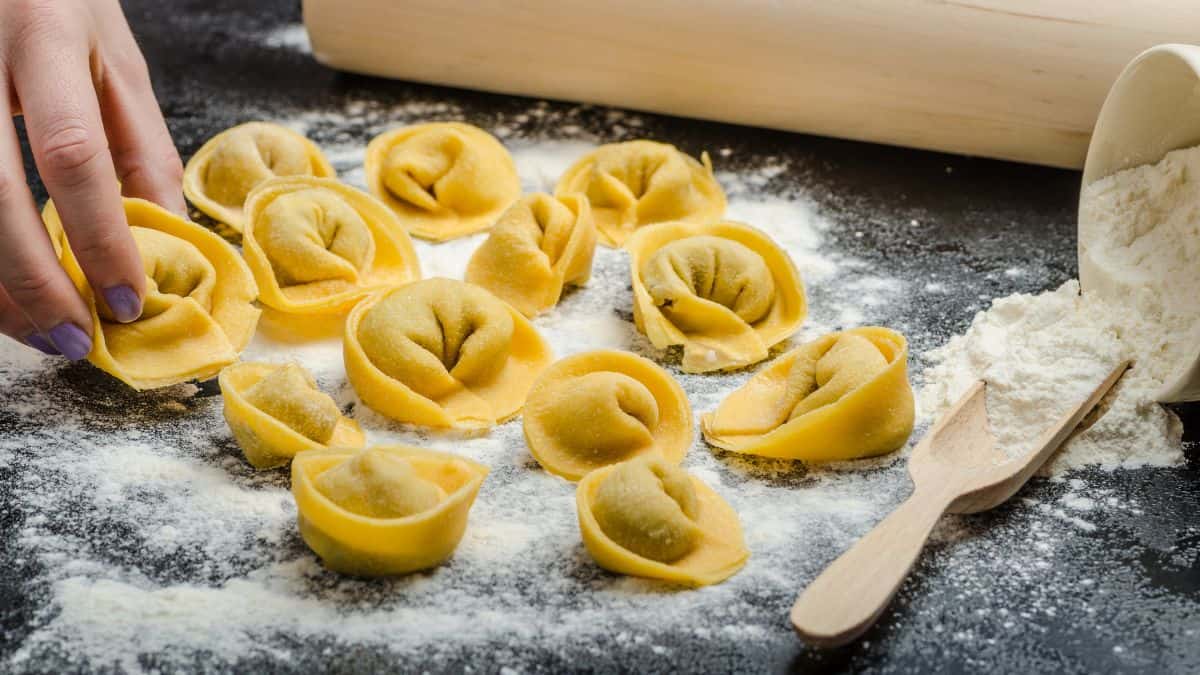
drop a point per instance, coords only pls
(955, 468)
(1015, 79)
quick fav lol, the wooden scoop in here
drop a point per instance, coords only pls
(955, 468)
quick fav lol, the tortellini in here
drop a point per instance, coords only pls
(598, 408)
(843, 396)
(318, 246)
(723, 291)
(198, 313)
(224, 171)
(276, 411)
(637, 183)
(646, 517)
(442, 353)
(385, 510)
(537, 246)
(443, 179)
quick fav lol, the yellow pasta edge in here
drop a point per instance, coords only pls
(719, 555)
(385, 227)
(359, 545)
(856, 420)
(578, 252)
(673, 437)
(265, 441)
(193, 173)
(570, 183)
(789, 287)
(233, 312)
(434, 228)
(396, 400)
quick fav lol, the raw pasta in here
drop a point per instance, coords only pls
(843, 396)
(223, 172)
(317, 246)
(199, 311)
(443, 179)
(646, 517)
(385, 510)
(642, 182)
(723, 291)
(276, 411)
(442, 353)
(538, 245)
(598, 408)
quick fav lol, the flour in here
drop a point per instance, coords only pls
(292, 36)
(1042, 353)
(163, 537)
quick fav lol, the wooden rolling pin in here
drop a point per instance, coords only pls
(1013, 79)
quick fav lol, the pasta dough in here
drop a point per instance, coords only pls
(444, 179)
(843, 396)
(276, 411)
(318, 246)
(442, 353)
(598, 408)
(646, 517)
(198, 313)
(224, 171)
(723, 291)
(385, 510)
(536, 247)
(643, 182)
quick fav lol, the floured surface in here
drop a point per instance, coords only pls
(192, 493)
(136, 537)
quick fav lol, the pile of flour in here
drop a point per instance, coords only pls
(1040, 354)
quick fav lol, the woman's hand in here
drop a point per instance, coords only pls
(74, 71)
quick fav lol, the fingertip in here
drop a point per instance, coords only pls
(123, 303)
(41, 344)
(71, 341)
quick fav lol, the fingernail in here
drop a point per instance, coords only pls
(41, 344)
(123, 303)
(71, 341)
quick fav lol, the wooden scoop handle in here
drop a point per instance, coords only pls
(847, 598)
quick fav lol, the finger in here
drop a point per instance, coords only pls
(14, 324)
(62, 117)
(38, 296)
(146, 160)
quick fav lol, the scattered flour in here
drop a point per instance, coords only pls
(290, 36)
(154, 540)
(169, 542)
(1140, 240)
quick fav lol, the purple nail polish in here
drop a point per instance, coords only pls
(123, 302)
(71, 341)
(41, 344)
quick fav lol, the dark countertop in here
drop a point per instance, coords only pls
(976, 219)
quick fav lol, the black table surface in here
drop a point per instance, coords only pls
(976, 218)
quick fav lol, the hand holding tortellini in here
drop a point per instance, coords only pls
(724, 291)
(843, 396)
(199, 311)
(224, 171)
(443, 179)
(642, 182)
